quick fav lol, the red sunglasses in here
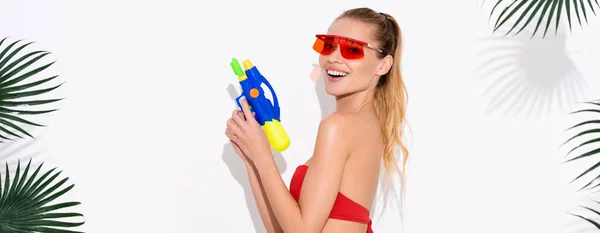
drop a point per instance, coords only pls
(349, 48)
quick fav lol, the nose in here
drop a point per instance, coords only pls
(336, 56)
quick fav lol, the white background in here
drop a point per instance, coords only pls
(141, 131)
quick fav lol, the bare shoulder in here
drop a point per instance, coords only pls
(344, 126)
(338, 136)
(346, 122)
(337, 123)
(332, 128)
(333, 132)
(334, 121)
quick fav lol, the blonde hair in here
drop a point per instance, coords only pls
(391, 96)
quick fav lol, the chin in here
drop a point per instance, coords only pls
(331, 92)
(335, 90)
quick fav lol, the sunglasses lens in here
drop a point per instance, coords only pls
(351, 50)
(324, 45)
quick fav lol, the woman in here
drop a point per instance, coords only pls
(333, 191)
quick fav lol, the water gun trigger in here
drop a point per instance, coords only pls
(239, 104)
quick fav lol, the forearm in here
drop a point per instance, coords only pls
(263, 205)
(284, 206)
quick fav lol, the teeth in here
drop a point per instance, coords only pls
(337, 73)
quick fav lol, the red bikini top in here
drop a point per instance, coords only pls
(343, 209)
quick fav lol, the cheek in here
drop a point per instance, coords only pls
(322, 61)
(360, 68)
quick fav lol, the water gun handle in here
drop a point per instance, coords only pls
(275, 101)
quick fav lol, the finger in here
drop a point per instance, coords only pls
(246, 109)
(232, 126)
(238, 118)
(231, 136)
(235, 144)
(236, 130)
(228, 131)
(241, 114)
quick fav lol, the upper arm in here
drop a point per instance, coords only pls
(324, 176)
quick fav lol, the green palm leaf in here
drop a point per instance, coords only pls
(17, 67)
(589, 129)
(542, 13)
(589, 220)
(27, 202)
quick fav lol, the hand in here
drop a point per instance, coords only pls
(240, 153)
(247, 134)
(235, 146)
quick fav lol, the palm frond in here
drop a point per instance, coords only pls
(590, 135)
(542, 11)
(16, 67)
(27, 203)
(590, 220)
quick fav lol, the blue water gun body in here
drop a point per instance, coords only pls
(266, 113)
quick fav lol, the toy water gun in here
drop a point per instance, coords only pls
(266, 113)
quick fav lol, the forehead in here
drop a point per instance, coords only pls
(353, 29)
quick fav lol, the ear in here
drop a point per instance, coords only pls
(385, 65)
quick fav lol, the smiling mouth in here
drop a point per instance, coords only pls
(336, 74)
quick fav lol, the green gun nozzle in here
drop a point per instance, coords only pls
(235, 65)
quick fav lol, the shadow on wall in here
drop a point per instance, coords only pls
(19, 150)
(524, 75)
(238, 170)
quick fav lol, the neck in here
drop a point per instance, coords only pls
(355, 102)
